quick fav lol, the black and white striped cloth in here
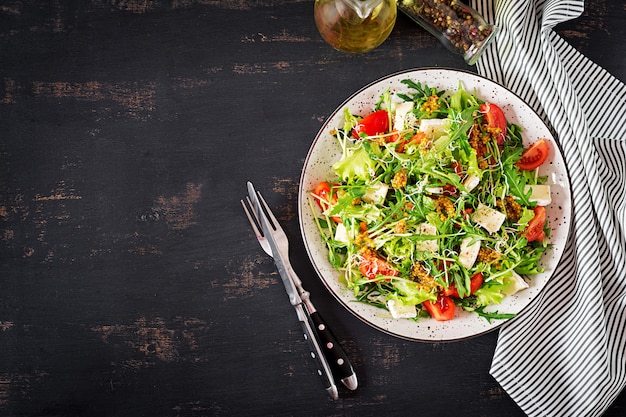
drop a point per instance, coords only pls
(566, 356)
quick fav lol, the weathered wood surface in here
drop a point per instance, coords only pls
(131, 284)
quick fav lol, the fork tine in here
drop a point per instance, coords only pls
(253, 221)
(262, 240)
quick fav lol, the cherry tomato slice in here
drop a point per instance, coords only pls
(476, 281)
(534, 230)
(324, 198)
(322, 192)
(535, 155)
(372, 265)
(494, 117)
(442, 309)
(372, 124)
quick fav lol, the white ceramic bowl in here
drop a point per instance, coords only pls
(325, 151)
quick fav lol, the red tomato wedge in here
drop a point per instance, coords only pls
(324, 197)
(416, 139)
(372, 265)
(534, 230)
(533, 156)
(494, 118)
(372, 124)
(442, 309)
(476, 281)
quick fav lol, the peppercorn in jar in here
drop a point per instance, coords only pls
(458, 26)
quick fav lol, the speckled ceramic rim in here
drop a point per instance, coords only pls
(325, 151)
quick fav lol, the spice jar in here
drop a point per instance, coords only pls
(458, 26)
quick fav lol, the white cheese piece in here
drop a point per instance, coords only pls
(490, 219)
(434, 190)
(400, 117)
(430, 245)
(401, 311)
(516, 284)
(434, 128)
(540, 194)
(341, 234)
(468, 252)
(471, 181)
(376, 193)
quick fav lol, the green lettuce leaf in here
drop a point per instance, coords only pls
(356, 165)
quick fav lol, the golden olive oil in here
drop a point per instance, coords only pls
(341, 26)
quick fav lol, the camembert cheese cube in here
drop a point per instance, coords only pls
(516, 284)
(471, 182)
(430, 245)
(468, 252)
(341, 234)
(539, 194)
(489, 219)
(433, 128)
(402, 109)
(401, 311)
(376, 193)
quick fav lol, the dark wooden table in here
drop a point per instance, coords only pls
(131, 283)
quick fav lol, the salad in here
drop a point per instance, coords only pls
(434, 205)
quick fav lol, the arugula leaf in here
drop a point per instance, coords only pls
(529, 261)
(514, 179)
(468, 304)
(421, 92)
(384, 102)
(493, 315)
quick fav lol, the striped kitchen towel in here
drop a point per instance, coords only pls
(566, 355)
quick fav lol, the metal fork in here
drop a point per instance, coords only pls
(261, 215)
(265, 244)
